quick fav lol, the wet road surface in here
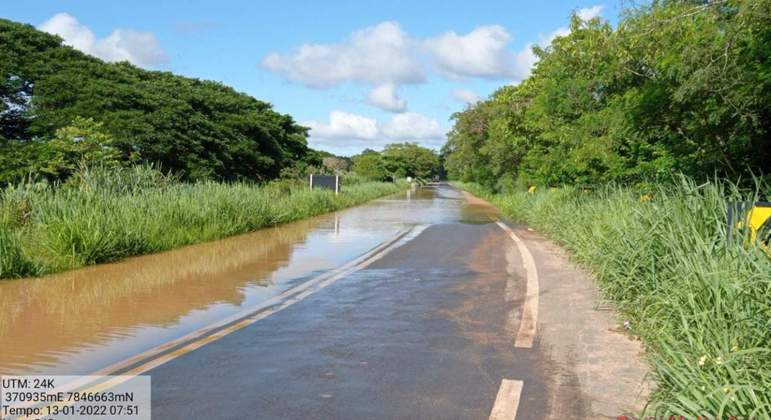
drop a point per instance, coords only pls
(422, 327)
(417, 334)
(80, 321)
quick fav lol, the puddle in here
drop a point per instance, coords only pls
(80, 321)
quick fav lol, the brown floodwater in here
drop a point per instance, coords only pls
(83, 320)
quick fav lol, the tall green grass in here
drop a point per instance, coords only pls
(698, 296)
(103, 215)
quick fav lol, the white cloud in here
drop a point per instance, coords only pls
(377, 54)
(386, 57)
(344, 125)
(386, 97)
(73, 33)
(484, 51)
(465, 96)
(480, 53)
(412, 126)
(350, 133)
(140, 48)
(589, 13)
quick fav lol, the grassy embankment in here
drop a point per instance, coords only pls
(698, 297)
(101, 216)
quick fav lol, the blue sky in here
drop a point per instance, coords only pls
(359, 73)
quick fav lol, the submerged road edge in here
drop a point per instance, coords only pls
(123, 371)
(156, 356)
(527, 328)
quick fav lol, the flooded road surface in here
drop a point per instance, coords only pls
(418, 306)
(80, 321)
(466, 317)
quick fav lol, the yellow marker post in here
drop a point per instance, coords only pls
(759, 222)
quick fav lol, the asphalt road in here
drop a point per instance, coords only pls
(431, 326)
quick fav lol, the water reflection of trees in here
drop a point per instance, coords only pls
(67, 311)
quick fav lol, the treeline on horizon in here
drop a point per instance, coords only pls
(676, 87)
(61, 109)
(397, 160)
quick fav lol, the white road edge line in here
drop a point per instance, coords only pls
(507, 401)
(527, 327)
(513, 263)
(261, 310)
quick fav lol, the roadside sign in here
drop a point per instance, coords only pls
(327, 182)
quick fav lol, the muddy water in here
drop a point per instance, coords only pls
(80, 321)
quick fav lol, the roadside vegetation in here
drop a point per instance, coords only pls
(101, 215)
(675, 87)
(101, 161)
(635, 139)
(694, 291)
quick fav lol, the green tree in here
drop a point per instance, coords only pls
(83, 143)
(397, 160)
(678, 86)
(370, 164)
(410, 159)
(197, 129)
